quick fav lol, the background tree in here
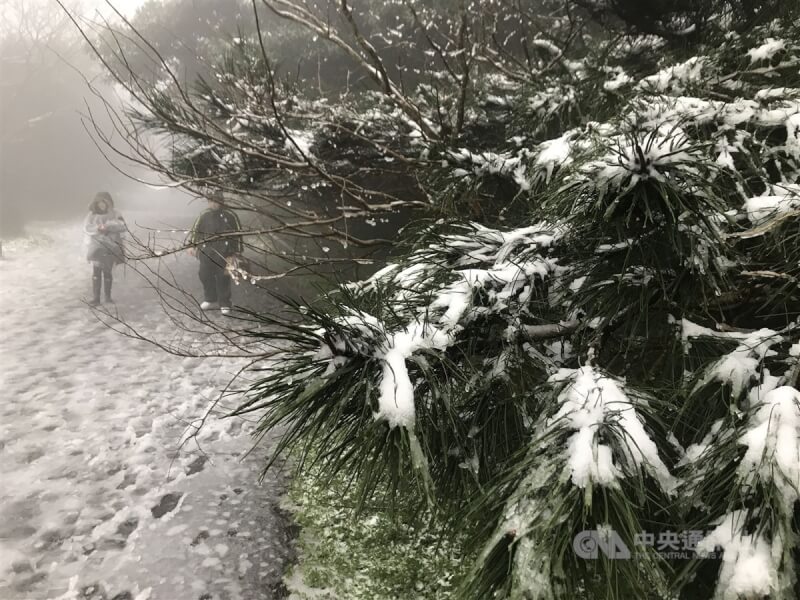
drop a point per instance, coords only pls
(314, 162)
(49, 169)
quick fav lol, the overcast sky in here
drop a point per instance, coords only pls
(50, 166)
(126, 7)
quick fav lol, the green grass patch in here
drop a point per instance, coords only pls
(377, 554)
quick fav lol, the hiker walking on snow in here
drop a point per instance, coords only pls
(213, 247)
(103, 228)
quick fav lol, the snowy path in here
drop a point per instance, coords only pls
(96, 500)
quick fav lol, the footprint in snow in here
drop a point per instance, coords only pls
(167, 504)
(197, 465)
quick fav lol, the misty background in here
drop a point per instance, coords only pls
(54, 90)
(52, 162)
(50, 167)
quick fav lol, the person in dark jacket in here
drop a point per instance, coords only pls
(212, 244)
(103, 228)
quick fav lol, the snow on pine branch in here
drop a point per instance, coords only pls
(591, 401)
(748, 560)
(396, 394)
(677, 78)
(776, 202)
(660, 108)
(767, 50)
(468, 248)
(757, 561)
(741, 367)
(773, 443)
(435, 295)
(491, 163)
(436, 325)
(744, 367)
(632, 159)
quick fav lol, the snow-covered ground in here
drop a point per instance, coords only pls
(97, 500)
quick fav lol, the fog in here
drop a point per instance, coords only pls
(50, 167)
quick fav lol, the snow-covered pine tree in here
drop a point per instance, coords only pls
(593, 341)
(614, 351)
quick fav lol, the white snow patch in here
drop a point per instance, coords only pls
(590, 400)
(773, 443)
(620, 78)
(766, 51)
(676, 77)
(396, 400)
(554, 153)
(749, 562)
(763, 208)
(740, 367)
(117, 408)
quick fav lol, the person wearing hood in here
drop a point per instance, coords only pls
(103, 228)
(211, 242)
